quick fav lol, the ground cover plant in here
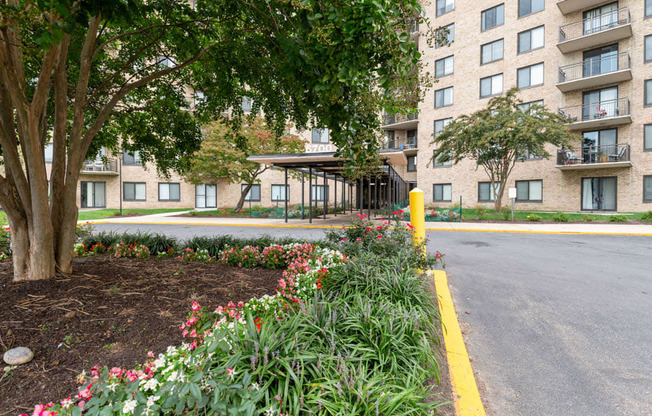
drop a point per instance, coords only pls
(348, 332)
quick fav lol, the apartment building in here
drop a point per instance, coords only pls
(103, 178)
(590, 60)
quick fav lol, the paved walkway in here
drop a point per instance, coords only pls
(342, 220)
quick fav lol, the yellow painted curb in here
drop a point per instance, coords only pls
(465, 390)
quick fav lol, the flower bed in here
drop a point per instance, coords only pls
(300, 281)
(339, 336)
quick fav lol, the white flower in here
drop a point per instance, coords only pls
(255, 386)
(150, 384)
(173, 376)
(152, 400)
(129, 406)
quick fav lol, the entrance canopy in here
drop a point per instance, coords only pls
(381, 189)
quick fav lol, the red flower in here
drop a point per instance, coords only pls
(379, 236)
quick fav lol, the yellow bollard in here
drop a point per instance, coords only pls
(417, 217)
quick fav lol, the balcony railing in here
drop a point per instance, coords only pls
(595, 24)
(596, 111)
(586, 155)
(594, 66)
(399, 118)
(402, 144)
(111, 166)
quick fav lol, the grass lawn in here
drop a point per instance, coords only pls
(107, 213)
(490, 214)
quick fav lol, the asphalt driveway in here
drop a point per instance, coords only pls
(554, 324)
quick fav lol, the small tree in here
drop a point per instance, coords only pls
(224, 151)
(498, 135)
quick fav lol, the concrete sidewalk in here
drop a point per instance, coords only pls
(344, 220)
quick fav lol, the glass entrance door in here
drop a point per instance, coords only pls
(600, 103)
(599, 194)
(601, 61)
(93, 194)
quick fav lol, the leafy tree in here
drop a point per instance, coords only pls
(498, 135)
(224, 151)
(82, 75)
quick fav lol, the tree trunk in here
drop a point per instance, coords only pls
(498, 200)
(241, 202)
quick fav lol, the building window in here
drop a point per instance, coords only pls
(647, 188)
(444, 97)
(93, 194)
(450, 35)
(648, 48)
(169, 192)
(525, 107)
(412, 163)
(648, 8)
(442, 192)
(318, 193)
(280, 193)
(438, 163)
(444, 66)
(134, 191)
(600, 103)
(600, 18)
(529, 191)
(492, 85)
(132, 158)
(199, 97)
(647, 136)
(320, 135)
(493, 17)
(49, 151)
(440, 125)
(648, 92)
(389, 139)
(411, 138)
(445, 6)
(526, 7)
(599, 143)
(599, 194)
(247, 103)
(530, 76)
(531, 39)
(600, 61)
(206, 195)
(486, 191)
(491, 52)
(253, 194)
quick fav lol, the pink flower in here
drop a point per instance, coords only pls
(150, 354)
(230, 372)
(379, 236)
(195, 306)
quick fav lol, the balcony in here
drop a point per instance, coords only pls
(594, 157)
(571, 6)
(407, 144)
(597, 115)
(99, 167)
(595, 31)
(400, 122)
(595, 72)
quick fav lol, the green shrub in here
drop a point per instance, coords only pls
(588, 218)
(480, 211)
(560, 217)
(534, 217)
(618, 218)
(647, 216)
(507, 213)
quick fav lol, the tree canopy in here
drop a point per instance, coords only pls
(498, 135)
(82, 75)
(224, 152)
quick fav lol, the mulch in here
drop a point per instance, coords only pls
(109, 312)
